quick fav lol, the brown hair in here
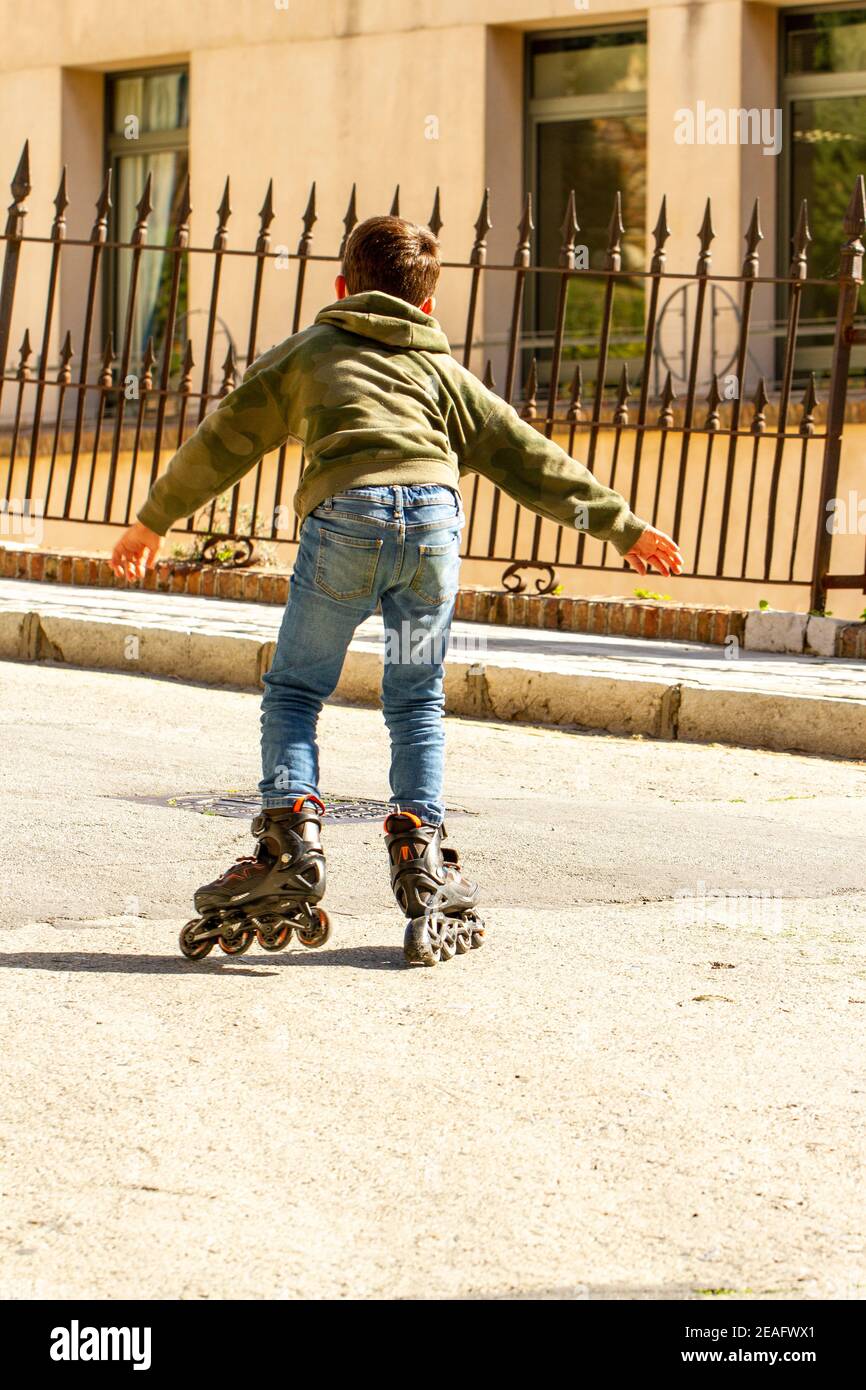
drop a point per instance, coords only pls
(397, 257)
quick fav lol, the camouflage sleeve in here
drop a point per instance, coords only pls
(540, 475)
(245, 426)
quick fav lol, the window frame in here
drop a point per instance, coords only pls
(114, 147)
(792, 88)
(543, 110)
(540, 111)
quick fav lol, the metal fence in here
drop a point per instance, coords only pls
(746, 482)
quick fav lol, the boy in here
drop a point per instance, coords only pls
(388, 419)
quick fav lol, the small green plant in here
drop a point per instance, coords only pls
(863, 616)
(763, 604)
(651, 594)
(557, 590)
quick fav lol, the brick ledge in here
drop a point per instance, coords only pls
(604, 617)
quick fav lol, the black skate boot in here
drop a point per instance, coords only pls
(269, 894)
(431, 890)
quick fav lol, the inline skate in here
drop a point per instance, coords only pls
(431, 890)
(268, 895)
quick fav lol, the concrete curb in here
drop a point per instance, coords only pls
(665, 709)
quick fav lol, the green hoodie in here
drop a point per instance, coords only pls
(375, 398)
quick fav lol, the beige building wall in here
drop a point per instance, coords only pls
(352, 91)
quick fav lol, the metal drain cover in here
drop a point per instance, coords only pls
(340, 810)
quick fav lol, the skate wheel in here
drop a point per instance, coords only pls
(463, 938)
(422, 944)
(239, 943)
(313, 936)
(274, 938)
(192, 948)
(476, 930)
(448, 938)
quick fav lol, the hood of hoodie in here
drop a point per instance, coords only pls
(386, 319)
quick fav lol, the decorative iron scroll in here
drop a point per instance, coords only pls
(518, 585)
(243, 552)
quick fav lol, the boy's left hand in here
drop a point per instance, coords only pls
(135, 552)
(655, 551)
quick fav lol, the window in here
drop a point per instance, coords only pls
(587, 131)
(148, 133)
(824, 96)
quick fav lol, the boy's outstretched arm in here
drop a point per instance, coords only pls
(245, 426)
(540, 475)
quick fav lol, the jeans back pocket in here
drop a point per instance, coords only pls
(346, 565)
(438, 568)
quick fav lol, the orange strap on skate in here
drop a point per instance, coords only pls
(407, 815)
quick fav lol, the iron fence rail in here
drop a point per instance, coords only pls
(725, 468)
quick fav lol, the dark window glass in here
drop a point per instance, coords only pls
(589, 65)
(160, 101)
(594, 141)
(598, 157)
(825, 141)
(833, 41)
(159, 148)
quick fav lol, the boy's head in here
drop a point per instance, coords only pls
(394, 256)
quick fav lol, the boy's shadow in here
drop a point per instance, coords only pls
(357, 957)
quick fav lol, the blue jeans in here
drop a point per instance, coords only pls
(394, 546)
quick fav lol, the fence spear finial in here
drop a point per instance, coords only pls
(855, 213)
(99, 230)
(143, 209)
(229, 372)
(568, 231)
(148, 360)
(309, 219)
(530, 407)
(525, 229)
(224, 211)
(620, 414)
(64, 375)
(668, 396)
(61, 203)
(488, 378)
(705, 237)
(754, 236)
(350, 220)
(183, 212)
(395, 202)
(24, 352)
(435, 220)
(107, 359)
(478, 254)
(266, 211)
(762, 400)
(186, 366)
(800, 243)
(661, 232)
(575, 404)
(615, 230)
(810, 400)
(714, 398)
(20, 185)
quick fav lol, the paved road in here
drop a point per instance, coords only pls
(646, 1084)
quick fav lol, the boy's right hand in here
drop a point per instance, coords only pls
(135, 552)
